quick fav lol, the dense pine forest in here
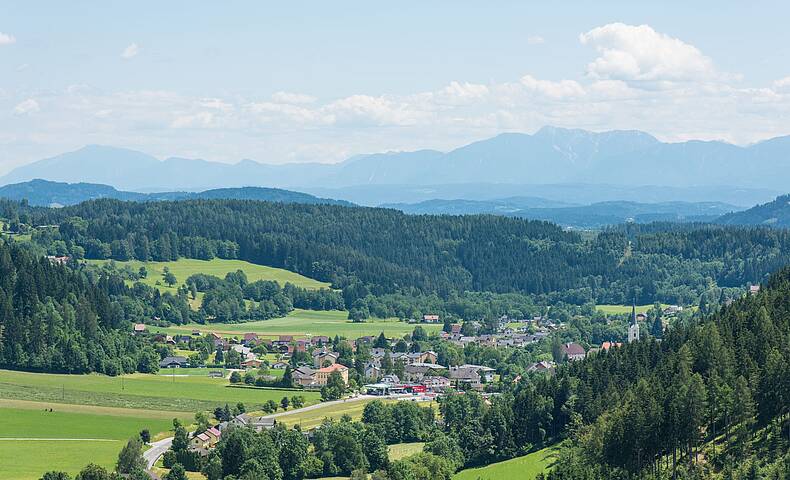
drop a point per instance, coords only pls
(712, 397)
(369, 251)
(56, 319)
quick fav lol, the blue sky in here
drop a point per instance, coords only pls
(320, 81)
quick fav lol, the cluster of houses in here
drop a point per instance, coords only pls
(506, 336)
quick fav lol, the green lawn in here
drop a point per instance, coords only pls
(92, 437)
(155, 392)
(402, 450)
(304, 322)
(523, 468)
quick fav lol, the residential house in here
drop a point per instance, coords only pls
(573, 351)
(390, 379)
(436, 383)
(320, 340)
(280, 366)
(430, 318)
(139, 328)
(543, 367)
(372, 371)
(605, 346)
(321, 376)
(257, 423)
(322, 358)
(250, 339)
(417, 371)
(303, 376)
(173, 362)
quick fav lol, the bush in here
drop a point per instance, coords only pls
(235, 377)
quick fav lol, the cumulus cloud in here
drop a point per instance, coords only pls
(27, 107)
(640, 54)
(6, 39)
(535, 40)
(296, 98)
(130, 52)
(551, 89)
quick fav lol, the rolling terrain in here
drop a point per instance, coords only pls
(773, 214)
(581, 216)
(57, 194)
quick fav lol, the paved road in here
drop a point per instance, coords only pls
(358, 398)
(157, 450)
(321, 405)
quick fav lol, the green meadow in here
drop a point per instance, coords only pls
(189, 393)
(33, 441)
(523, 468)
(306, 322)
(620, 309)
(218, 267)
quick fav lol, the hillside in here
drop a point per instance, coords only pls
(549, 156)
(375, 251)
(580, 216)
(774, 214)
(46, 193)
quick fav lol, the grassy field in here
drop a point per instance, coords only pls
(306, 322)
(313, 418)
(620, 309)
(524, 468)
(83, 437)
(402, 450)
(218, 267)
(152, 392)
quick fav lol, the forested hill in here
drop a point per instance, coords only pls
(378, 251)
(53, 318)
(774, 214)
(45, 193)
(710, 400)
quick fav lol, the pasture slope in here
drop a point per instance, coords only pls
(523, 468)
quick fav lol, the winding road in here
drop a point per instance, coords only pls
(151, 455)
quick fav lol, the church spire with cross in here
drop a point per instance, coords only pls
(633, 329)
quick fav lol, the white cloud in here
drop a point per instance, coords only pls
(288, 97)
(555, 90)
(130, 52)
(535, 40)
(6, 39)
(639, 54)
(782, 84)
(27, 107)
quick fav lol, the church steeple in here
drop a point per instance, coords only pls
(633, 329)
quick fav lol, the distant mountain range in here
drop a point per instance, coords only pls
(775, 214)
(46, 193)
(579, 216)
(550, 156)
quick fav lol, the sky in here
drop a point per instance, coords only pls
(282, 82)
